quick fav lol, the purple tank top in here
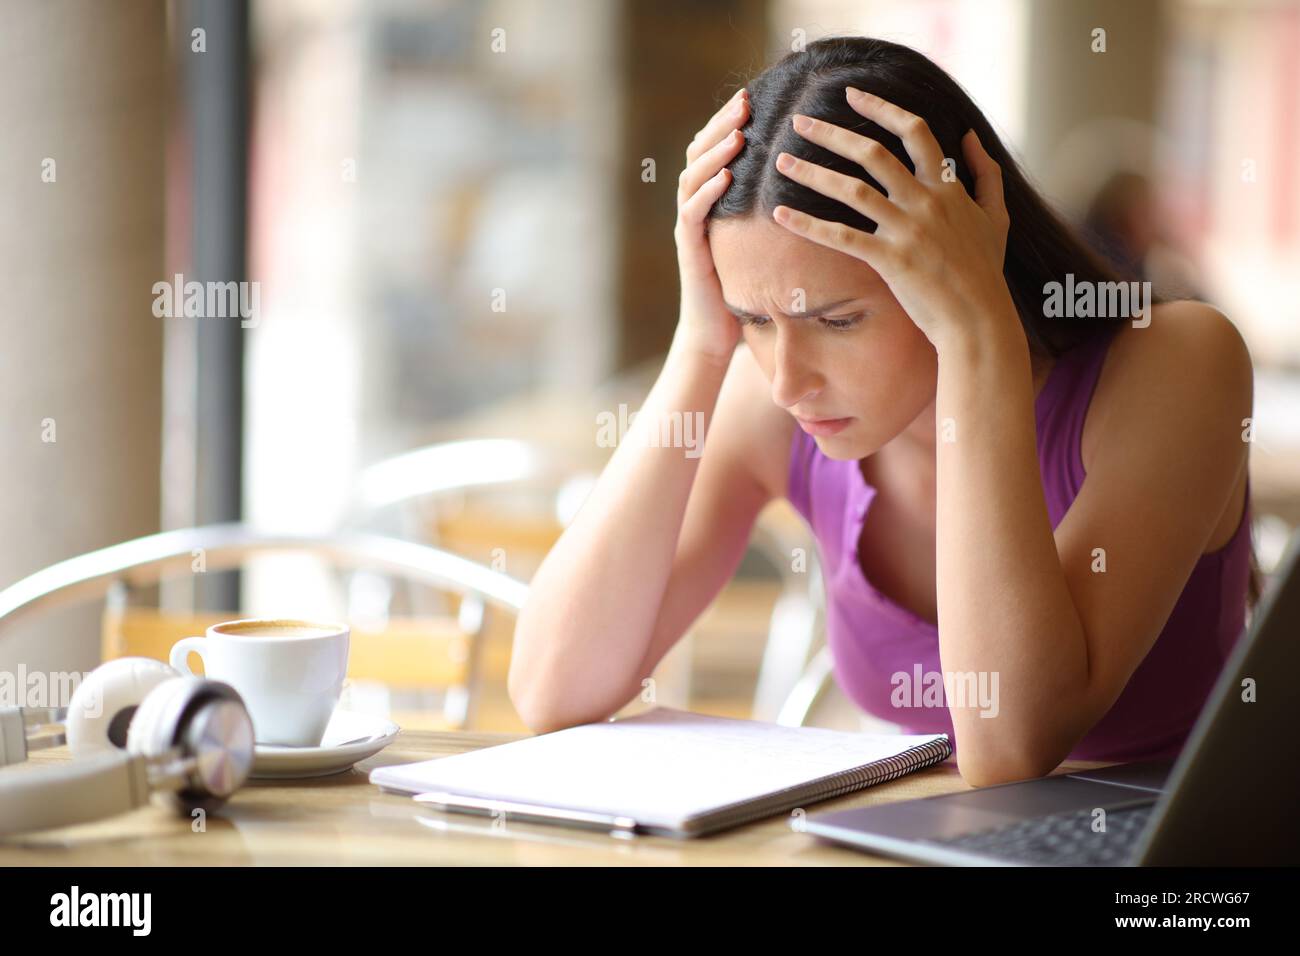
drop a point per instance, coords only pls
(871, 638)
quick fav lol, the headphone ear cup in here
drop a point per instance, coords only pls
(104, 704)
(164, 719)
(156, 724)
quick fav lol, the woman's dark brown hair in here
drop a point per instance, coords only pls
(1041, 247)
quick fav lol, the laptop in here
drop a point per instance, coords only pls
(1228, 799)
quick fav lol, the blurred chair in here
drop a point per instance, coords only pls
(497, 501)
(808, 689)
(798, 616)
(439, 653)
(429, 488)
(425, 492)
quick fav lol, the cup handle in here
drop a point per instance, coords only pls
(180, 653)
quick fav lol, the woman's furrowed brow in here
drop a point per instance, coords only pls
(814, 311)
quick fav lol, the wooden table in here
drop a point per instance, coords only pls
(344, 819)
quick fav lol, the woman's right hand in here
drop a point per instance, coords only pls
(705, 323)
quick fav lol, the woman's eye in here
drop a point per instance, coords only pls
(846, 322)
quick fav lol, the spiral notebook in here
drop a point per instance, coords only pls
(666, 771)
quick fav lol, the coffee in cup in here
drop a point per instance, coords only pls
(289, 672)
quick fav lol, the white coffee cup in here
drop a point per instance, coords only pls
(289, 672)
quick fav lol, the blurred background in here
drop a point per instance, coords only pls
(455, 223)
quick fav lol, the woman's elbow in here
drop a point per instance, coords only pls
(542, 710)
(545, 718)
(981, 768)
(520, 686)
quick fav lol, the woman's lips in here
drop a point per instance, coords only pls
(823, 427)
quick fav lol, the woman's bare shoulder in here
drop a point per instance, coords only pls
(751, 427)
(1189, 363)
(1187, 352)
(1187, 345)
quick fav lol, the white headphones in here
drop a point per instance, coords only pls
(136, 727)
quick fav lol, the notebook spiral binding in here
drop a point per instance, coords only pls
(914, 758)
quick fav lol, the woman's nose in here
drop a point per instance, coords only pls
(793, 380)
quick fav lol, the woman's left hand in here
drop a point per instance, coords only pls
(939, 251)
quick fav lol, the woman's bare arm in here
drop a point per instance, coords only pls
(594, 603)
(657, 539)
(746, 468)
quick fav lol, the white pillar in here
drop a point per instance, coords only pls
(83, 90)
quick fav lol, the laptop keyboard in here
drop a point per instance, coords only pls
(1060, 839)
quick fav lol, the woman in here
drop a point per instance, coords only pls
(908, 382)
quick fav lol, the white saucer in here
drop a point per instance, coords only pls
(273, 762)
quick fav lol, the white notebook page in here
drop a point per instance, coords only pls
(660, 767)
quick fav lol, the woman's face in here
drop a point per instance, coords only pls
(853, 369)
